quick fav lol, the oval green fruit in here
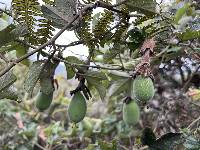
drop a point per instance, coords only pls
(77, 108)
(131, 113)
(43, 101)
(143, 88)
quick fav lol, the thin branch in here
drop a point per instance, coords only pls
(193, 123)
(75, 43)
(75, 64)
(53, 39)
(12, 64)
(97, 66)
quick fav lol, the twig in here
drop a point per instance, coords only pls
(193, 122)
(12, 64)
(53, 39)
(75, 43)
(75, 64)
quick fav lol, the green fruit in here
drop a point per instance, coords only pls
(43, 101)
(131, 113)
(143, 88)
(77, 108)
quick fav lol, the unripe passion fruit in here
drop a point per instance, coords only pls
(143, 88)
(43, 101)
(77, 108)
(131, 113)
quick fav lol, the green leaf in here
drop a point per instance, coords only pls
(146, 7)
(191, 143)
(67, 7)
(167, 141)
(96, 82)
(112, 52)
(180, 12)
(6, 36)
(95, 20)
(70, 70)
(7, 79)
(118, 86)
(116, 75)
(33, 76)
(3, 24)
(46, 78)
(98, 75)
(59, 15)
(107, 145)
(9, 47)
(21, 50)
(20, 30)
(9, 93)
(189, 35)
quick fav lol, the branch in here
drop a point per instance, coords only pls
(13, 63)
(53, 39)
(93, 39)
(193, 123)
(75, 64)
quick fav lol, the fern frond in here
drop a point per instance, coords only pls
(28, 13)
(103, 24)
(84, 32)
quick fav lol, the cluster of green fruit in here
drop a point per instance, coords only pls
(143, 89)
(77, 108)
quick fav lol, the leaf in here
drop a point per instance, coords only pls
(46, 78)
(8, 47)
(180, 12)
(33, 76)
(6, 36)
(9, 93)
(167, 141)
(20, 30)
(146, 7)
(118, 86)
(191, 143)
(57, 14)
(67, 7)
(21, 50)
(189, 35)
(3, 24)
(112, 52)
(7, 79)
(98, 86)
(53, 14)
(114, 74)
(98, 75)
(70, 69)
(107, 145)
(95, 20)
